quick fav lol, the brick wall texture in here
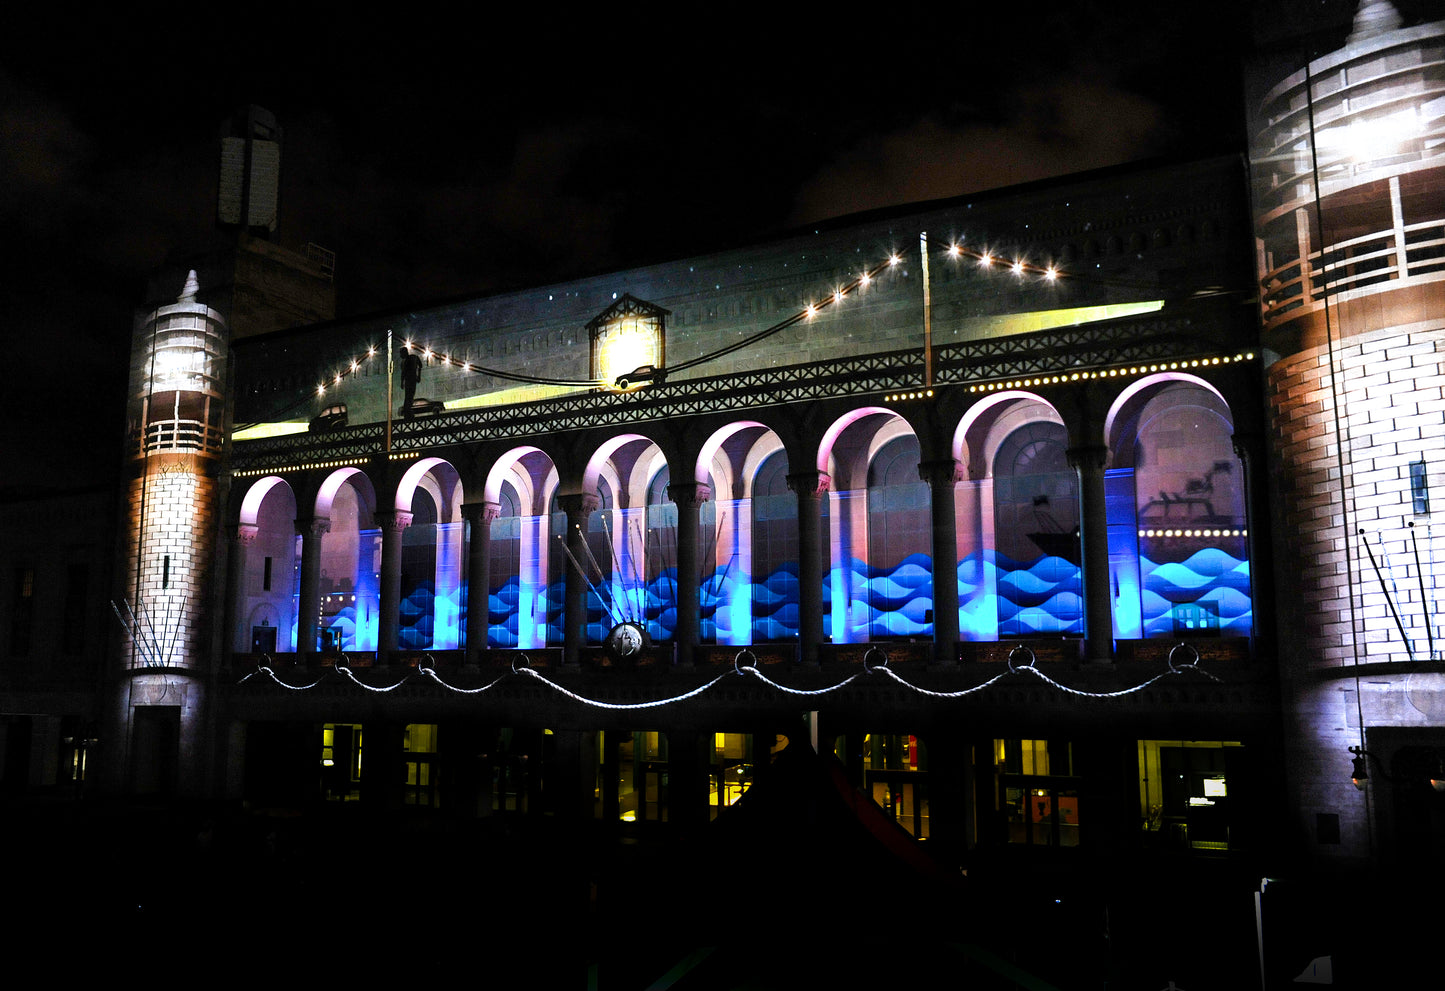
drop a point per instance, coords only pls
(1345, 435)
(172, 513)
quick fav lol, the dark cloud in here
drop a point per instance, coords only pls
(1050, 130)
(437, 161)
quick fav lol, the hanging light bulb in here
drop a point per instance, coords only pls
(1359, 773)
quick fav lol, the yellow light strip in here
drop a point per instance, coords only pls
(255, 472)
(1009, 324)
(1123, 372)
(917, 394)
(1194, 533)
(258, 431)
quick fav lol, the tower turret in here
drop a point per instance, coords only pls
(177, 435)
(1348, 163)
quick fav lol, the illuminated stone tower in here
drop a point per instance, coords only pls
(1348, 165)
(176, 438)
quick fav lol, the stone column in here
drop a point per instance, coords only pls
(242, 536)
(688, 497)
(942, 475)
(479, 516)
(309, 609)
(809, 487)
(391, 523)
(1088, 462)
(1247, 447)
(574, 618)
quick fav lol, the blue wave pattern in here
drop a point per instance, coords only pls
(344, 623)
(504, 614)
(893, 602)
(776, 605)
(414, 629)
(1039, 597)
(774, 608)
(716, 589)
(1210, 577)
(977, 604)
(998, 597)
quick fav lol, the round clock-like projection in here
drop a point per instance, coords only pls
(625, 640)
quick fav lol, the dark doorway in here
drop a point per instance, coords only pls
(263, 639)
(155, 749)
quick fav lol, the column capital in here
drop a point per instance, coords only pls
(481, 512)
(1094, 456)
(810, 483)
(580, 505)
(689, 494)
(942, 471)
(314, 527)
(394, 520)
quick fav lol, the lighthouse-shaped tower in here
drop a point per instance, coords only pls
(175, 442)
(1348, 166)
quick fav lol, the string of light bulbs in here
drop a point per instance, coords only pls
(751, 671)
(987, 260)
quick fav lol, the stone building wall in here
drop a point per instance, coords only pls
(170, 567)
(1390, 414)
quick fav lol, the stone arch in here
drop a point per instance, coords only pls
(983, 426)
(630, 547)
(880, 579)
(996, 587)
(730, 592)
(441, 481)
(331, 485)
(530, 470)
(269, 550)
(350, 554)
(1126, 404)
(521, 568)
(1179, 546)
(431, 593)
(256, 493)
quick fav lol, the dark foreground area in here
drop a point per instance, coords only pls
(791, 887)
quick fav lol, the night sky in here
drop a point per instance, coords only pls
(456, 155)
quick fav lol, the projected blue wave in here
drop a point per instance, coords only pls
(1210, 577)
(1001, 597)
(885, 602)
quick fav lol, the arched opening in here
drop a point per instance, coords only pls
(1177, 539)
(775, 589)
(270, 572)
(877, 520)
(520, 553)
(350, 564)
(735, 604)
(660, 557)
(629, 557)
(1036, 532)
(430, 616)
(1017, 519)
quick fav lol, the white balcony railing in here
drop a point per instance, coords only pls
(1378, 262)
(182, 435)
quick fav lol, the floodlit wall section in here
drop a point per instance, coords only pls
(1348, 166)
(1127, 263)
(1175, 497)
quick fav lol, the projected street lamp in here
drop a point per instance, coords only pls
(628, 343)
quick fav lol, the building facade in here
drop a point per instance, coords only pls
(1349, 200)
(726, 481)
(1087, 524)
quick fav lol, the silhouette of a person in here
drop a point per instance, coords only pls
(410, 376)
